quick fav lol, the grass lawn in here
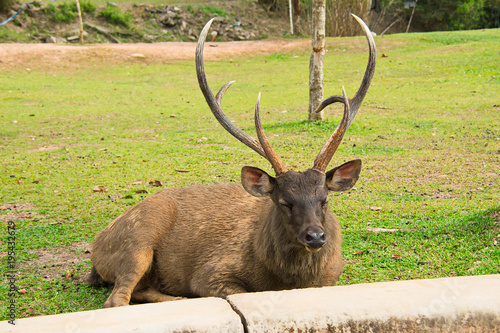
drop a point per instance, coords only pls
(427, 203)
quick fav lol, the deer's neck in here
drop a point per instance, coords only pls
(284, 256)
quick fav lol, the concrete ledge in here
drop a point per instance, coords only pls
(462, 304)
(193, 315)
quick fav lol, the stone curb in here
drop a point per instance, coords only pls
(193, 315)
(461, 304)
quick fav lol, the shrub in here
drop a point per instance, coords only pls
(213, 11)
(113, 15)
(61, 13)
(86, 6)
(66, 11)
(449, 15)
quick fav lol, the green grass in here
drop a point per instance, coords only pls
(9, 36)
(428, 133)
(211, 11)
(113, 15)
(66, 11)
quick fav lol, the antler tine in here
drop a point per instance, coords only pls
(222, 91)
(328, 101)
(351, 106)
(330, 147)
(275, 161)
(214, 103)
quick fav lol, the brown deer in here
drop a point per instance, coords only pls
(269, 233)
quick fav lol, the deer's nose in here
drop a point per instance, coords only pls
(315, 240)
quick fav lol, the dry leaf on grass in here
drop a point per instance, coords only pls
(99, 188)
(69, 274)
(377, 230)
(116, 197)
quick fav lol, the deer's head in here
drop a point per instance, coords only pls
(301, 197)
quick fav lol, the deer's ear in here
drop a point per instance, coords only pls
(256, 181)
(344, 177)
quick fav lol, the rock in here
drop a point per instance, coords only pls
(50, 39)
(55, 40)
(74, 38)
(150, 38)
(166, 20)
(183, 25)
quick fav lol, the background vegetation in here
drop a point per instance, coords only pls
(338, 15)
(429, 15)
(123, 21)
(5, 4)
(445, 14)
(80, 144)
(139, 22)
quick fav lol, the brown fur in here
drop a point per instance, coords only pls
(219, 240)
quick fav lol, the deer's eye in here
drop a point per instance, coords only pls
(325, 203)
(286, 206)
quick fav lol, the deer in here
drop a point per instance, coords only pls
(268, 233)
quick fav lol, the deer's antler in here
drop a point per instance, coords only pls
(263, 147)
(351, 106)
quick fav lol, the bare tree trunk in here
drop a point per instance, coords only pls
(296, 18)
(316, 61)
(411, 17)
(80, 21)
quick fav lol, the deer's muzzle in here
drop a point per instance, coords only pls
(313, 238)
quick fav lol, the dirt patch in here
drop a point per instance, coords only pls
(15, 211)
(61, 262)
(202, 145)
(49, 264)
(53, 56)
(44, 148)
